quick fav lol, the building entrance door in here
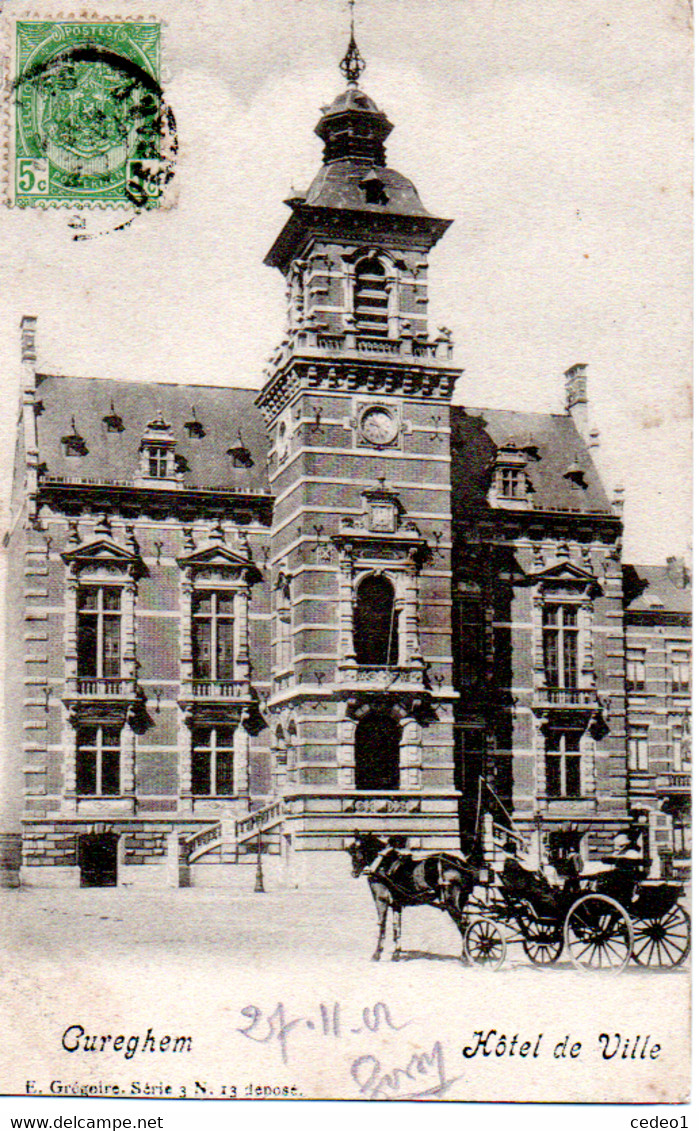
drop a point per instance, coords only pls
(377, 753)
(97, 858)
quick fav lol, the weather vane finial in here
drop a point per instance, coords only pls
(352, 66)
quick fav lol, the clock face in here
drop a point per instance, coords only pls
(379, 426)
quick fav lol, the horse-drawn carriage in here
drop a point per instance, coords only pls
(603, 914)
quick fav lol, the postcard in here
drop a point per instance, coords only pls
(346, 476)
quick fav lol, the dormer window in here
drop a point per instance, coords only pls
(575, 475)
(373, 188)
(240, 455)
(194, 426)
(112, 420)
(159, 460)
(510, 484)
(73, 443)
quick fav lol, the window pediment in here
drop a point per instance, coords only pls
(104, 553)
(564, 575)
(218, 560)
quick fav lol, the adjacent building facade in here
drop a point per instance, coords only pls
(658, 609)
(264, 621)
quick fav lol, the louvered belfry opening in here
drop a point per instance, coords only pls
(371, 298)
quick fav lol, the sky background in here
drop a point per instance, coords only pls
(555, 134)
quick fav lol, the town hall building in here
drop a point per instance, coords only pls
(255, 622)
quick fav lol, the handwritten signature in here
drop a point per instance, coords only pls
(276, 1028)
(424, 1069)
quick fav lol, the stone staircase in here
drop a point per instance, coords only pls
(226, 837)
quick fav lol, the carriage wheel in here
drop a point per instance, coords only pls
(542, 942)
(485, 944)
(663, 940)
(599, 934)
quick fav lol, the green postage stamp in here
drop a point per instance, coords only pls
(88, 123)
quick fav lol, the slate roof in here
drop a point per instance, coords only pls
(338, 186)
(552, 443)
(114, 456)
(652, 588)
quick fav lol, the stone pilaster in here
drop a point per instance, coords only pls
(186, 591)
(346, 611)
(241, 761)
(587, 657)
(128, 619)
(410, 754)
(128, 762)
(70, 638)
(242, 651)
(411, 632)
(69, 802)
(345, 752)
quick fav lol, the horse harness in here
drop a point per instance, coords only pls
(389, 878)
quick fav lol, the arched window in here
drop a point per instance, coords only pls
(375, 623)
(371, 298)
(377, 753)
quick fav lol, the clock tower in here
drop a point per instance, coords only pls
(356, 401)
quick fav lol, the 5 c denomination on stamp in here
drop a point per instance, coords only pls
(88, 123)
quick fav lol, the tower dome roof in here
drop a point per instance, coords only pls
(354, 127)
(352, 99)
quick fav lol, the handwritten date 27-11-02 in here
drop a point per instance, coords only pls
(280, 1030)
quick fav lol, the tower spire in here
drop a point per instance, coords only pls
(352, 65)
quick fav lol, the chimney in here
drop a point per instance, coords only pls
(677, 572)
(576, 399)
(27, 417)
(28, 328)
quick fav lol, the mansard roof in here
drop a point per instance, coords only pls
(658, 588)
(550, 442)
(113, 417)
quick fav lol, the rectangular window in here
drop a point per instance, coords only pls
(681, 743)
(212, 761)
(681, 836)
(469, 627)
(561, 646)
(563, 763)
(511, 483)
(213, 650)
(157, 462)
(98, 760)
(680, 672)
(636, 669)
(99, 632)
(638, 748)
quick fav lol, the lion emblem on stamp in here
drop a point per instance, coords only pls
(89, 123)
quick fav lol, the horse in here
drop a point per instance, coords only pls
(397, 880)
